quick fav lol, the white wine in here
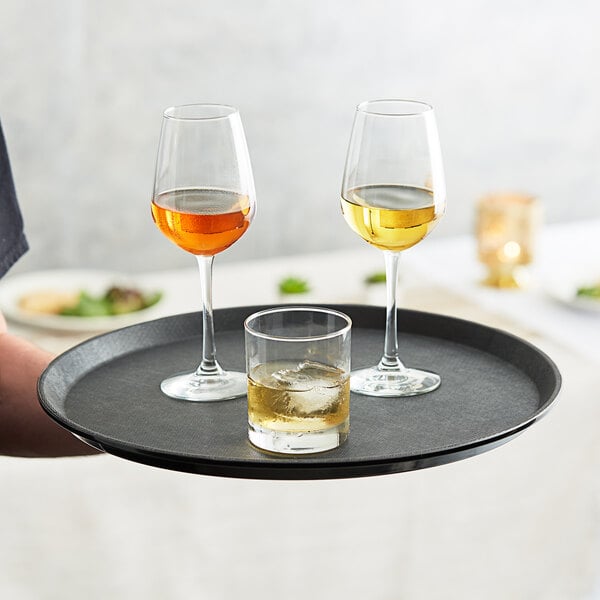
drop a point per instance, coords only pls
(390, 217)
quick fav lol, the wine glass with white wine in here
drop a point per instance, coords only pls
(203, 201)
(393, 194)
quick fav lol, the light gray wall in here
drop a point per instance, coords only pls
(83, 85)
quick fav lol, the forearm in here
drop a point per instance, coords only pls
(25, 429)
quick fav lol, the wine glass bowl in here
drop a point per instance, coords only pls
(393, 195)
(203, 201)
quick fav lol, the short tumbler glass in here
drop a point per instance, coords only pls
(298, 365)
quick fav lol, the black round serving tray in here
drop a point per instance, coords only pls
(106, 391)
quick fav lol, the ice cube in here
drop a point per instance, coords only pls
(293, 379)
(322, 375)
(316, 401)
(325, 391)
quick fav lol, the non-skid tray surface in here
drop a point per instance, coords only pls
(106, 391)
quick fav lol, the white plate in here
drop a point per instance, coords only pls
(12, 289)
(565, 292)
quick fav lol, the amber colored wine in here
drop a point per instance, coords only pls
(390, 217)
(202, 221)
(290, 397)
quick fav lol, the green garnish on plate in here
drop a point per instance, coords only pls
(592, 292)
(378, 277)
(293, 285)
(116, 301)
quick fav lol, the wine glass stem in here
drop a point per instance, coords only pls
(390, 360)
(209, 365)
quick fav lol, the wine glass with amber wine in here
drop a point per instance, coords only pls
(203, 201)
(393, 194)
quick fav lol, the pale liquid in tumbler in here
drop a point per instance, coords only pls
(298, 406)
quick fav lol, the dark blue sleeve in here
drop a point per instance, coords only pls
(12, 238)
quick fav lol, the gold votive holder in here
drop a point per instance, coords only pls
(506, 229)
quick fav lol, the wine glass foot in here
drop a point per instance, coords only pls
(386, 384)
(226, 385)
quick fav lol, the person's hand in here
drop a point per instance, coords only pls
(25, 428)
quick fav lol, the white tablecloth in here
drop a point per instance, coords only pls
(566, 253)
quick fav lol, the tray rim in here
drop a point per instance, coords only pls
(316, 466)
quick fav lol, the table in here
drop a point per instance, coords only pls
(519, 522)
